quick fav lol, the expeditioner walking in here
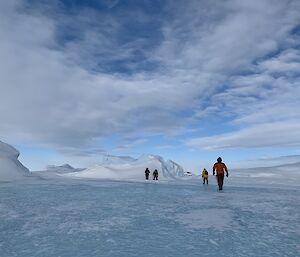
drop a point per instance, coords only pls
(147, 172)
(155, 174)
(220, 167)
(205, 176)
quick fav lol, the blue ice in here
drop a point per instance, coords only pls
(104, 218)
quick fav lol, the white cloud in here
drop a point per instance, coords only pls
(279, 134)
(49, 100)
(111, 3)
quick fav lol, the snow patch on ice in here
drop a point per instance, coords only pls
(7, 214)
(218, 219)
(105, 225)
(262, 175)
(213, 242)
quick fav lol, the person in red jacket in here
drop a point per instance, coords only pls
(220, 168)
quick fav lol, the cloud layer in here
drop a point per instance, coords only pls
(71, 76)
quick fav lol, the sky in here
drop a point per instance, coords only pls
(187, 80)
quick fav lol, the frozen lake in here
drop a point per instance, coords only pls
(146, 219)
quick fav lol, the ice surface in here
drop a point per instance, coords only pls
(182, 218)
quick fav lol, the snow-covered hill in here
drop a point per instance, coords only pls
(118, 167)
(10, 167)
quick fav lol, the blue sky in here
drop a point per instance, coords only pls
(188, 80)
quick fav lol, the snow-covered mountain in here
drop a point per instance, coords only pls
(10, 167)
(119, 167)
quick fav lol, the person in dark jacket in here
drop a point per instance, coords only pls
(147, 172)
(155, 174)
(220, 167)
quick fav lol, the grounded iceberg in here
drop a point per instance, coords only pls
(119, 167)
(10, 167)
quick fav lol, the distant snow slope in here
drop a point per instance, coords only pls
(118, 167)
(65, 168)
(55, 171)
(10, 167)
(285, 173)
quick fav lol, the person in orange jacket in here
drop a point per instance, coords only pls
(220, 167)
